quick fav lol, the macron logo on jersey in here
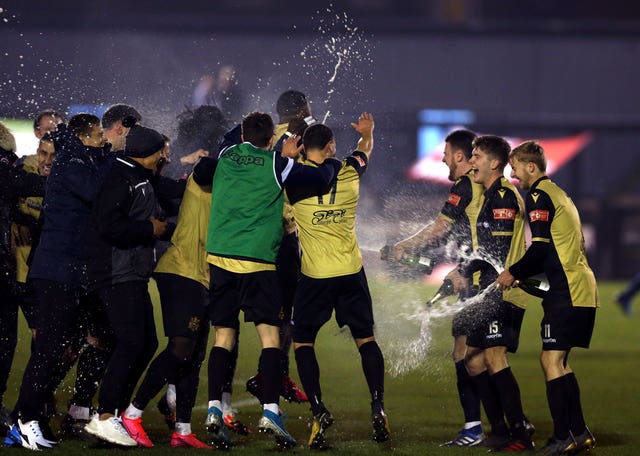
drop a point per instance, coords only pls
(453, 199)
(539, 216)
(504, 214)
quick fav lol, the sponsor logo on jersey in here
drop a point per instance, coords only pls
(535, 196)
(326, 217)
(453, 199)
(360, 161)
(246, 159)
(501, 192)
(539, 216)
(504, 214)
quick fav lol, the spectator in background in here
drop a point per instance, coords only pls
(203, 90)
(229, 94)
(221, 90)
(626, 296)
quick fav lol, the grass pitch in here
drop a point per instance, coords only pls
(421, 403)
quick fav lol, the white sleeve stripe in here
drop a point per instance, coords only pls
(125, 162)
(285, 172)
(224, 150)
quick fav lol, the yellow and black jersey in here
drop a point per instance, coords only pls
(557, 248)
(31, 207)
(187, 256)
(461, 210)
(327, 222)
(501, 239)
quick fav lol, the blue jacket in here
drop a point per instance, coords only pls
(76, 173)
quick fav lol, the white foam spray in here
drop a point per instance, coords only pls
(405, 326)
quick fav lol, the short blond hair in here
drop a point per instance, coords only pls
(530, 151)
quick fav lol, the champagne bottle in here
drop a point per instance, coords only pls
(535, 287)
(446, 289)
(420, 263)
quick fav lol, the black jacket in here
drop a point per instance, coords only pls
(121, 243)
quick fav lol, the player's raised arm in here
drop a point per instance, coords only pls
(365, 128)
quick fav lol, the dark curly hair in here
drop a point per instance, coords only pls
(200, 128)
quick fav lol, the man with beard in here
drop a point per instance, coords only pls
(457, 220)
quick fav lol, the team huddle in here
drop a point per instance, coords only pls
(261, 219)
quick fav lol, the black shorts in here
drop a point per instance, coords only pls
(463, 322)
(288, 269)
(28, 299)
(564, 327)
(184, 305)
(317, 298)
(257, 294)
(496, 324)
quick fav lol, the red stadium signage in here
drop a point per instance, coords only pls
(558, 151)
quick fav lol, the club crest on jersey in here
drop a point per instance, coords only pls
(504, 214)
(453, 199)
(328, 216)
(194, 324)
(539, 216)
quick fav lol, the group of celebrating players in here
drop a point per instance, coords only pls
(261, 219)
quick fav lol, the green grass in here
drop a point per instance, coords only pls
(422, 404)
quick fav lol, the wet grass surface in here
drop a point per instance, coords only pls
(421, 403)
